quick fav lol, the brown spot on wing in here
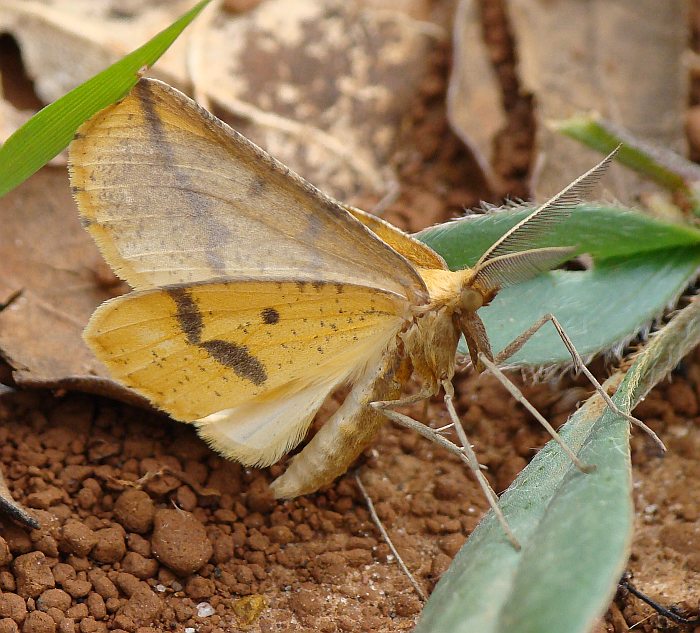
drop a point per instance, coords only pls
(270, 316)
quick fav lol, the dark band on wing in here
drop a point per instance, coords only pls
(231, 355)
(188, 315)
(237, 358)
(216, 233)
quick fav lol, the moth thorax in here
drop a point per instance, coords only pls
(470, 300)
(431, 344)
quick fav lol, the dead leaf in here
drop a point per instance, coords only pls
(63, 46)
(474, 103)
(49, 288)
(322, 85)
(620, 59)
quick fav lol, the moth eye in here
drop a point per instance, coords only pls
(471, 300)
(270, 316)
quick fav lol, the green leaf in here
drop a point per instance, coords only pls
(641, 265)
(600, 231)
(599, 308)
(575, 529)
(50, 130)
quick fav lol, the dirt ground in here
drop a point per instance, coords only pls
(143, 528)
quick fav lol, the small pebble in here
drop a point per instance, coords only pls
(110, 547)
(10, 626)
(33, 575)
(39, 622)
(77, 538)
(204, 610)
(13, 606)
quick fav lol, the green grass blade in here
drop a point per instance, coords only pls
(49, 131)
(575, 529)
(663, 166)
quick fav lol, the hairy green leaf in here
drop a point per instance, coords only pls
(575, 529)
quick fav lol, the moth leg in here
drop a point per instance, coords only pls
(422, 395)
(465, 453)
(518, 343)
(518, 395)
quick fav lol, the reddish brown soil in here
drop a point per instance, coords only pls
(144, 529)
(141, 522)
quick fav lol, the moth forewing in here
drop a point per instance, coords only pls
(171, 194)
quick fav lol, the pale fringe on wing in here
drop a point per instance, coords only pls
(259, 432)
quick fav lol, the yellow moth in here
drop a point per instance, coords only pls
(255, 295)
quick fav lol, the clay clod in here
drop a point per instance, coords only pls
(180, 541)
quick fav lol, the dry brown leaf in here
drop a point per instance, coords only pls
(322, 85)
(474, 105)
(51, 282)
(620, 59)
